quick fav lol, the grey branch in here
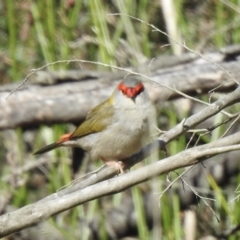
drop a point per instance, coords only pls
(89, 189)
(42, 210)
(41, 102)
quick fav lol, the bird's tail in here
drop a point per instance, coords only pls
(48, 148)
(57, 144)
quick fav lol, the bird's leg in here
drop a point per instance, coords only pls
(119, 165)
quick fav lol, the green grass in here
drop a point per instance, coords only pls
(140, 213)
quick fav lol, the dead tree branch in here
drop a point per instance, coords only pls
(40, 102)
(42, 210)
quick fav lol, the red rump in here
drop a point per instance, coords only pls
(131, 92)
(64, 137)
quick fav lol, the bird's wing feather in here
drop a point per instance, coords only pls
(97, 120)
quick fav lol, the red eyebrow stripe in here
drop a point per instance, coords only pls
(131, 91)
(139, 87)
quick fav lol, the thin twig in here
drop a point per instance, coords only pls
(181, 44)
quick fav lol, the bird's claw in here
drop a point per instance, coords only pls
(119, 165)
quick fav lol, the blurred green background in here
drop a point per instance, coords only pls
(33, 33)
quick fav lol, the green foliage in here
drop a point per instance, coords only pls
(140, 212)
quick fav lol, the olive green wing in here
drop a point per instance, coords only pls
(97, 120)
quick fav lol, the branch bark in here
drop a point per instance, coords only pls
(37, 104)
(42, 210)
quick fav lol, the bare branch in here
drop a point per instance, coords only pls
(43, 104)
(42, 210)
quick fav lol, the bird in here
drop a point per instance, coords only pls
(115, 129)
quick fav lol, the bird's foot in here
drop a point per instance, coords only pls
(119, 165)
